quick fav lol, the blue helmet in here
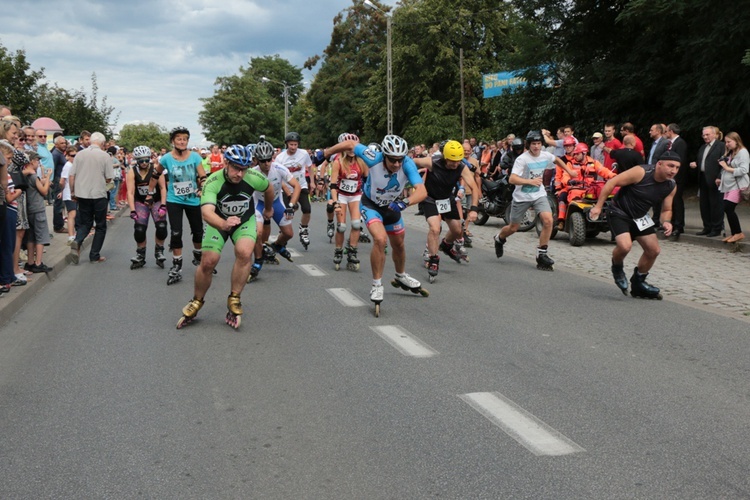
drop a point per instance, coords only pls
(250, 148)
(237, 154)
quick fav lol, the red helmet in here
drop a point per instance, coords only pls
(569, 141)
(581, 147)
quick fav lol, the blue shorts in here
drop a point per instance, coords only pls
(371, 213)
(278, 212)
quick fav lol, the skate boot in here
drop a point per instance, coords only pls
(449, 251)
(330, 231)
(234, 313)
(433, 266)
(640, 289)
(269, 255)
(620, 279)
(364, 237)
(338, 256)
(139, 260)
(460, 246)
(159, 256)
(543, 261)
(197, 254)
(467, 240)
(175, 273)
(304, 238)
(406, 282)
(376, 296)
(426, 256)
(283, 251)
(255, 270)
(499, 243)
(352, 262)
(189, 312)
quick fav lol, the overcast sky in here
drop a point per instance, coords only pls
(155, 59)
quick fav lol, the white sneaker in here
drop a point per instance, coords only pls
(408, 281)
(376, 294)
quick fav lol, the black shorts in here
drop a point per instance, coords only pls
(429, 208)
(619, 224)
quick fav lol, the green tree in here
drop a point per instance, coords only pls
(18, 84)
(74, 111)
(144, 134)
(427, 36)
(351, 58)
(244, 106)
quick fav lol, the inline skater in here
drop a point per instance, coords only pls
(186, 178)
(228, 209)
(441, 178)
(528, 174)
(347, 175)
(297, 161)
(277, 175)
(641, 188)
(138, 179)
(389, 171)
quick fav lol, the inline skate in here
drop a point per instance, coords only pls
(189, 312)
(352, 262)
(159, 255)
(175, 273)
(234, 310)
(139, 260)
(642, 290)
(406, 282)
(338, 256)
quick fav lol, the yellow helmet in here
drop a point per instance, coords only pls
(453, 150)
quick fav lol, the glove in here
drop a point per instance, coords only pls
(397, 206)
(134, 215)
(318, 157)
(289, 213)
(162, 211)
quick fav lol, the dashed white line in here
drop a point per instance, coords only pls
(536, 436)
(346, 297)
(312, 270)
(404, 342)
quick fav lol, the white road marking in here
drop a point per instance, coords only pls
(405, 342)
(346, 297)
(538, 437)
(294, 252)
(312, 270)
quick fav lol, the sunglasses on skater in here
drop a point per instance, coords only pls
(395, 160)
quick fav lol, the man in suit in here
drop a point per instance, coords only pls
(711, 200)
(658, 147)
(679, 146)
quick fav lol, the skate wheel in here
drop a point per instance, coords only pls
(396, 284)
(233, 321)
(423, 292)
(377, 310)
(183, 321)
(432, 279)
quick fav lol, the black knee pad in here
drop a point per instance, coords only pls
(176, 240)
(161, 230)
(139, 233)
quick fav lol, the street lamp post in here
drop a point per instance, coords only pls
(388, 63)
(286, 101)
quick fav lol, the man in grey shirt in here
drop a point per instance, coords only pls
(89, 176)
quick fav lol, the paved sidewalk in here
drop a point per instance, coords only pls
(54, 256)
(700, 271)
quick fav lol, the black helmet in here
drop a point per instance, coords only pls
(292, 136)
(178, 130)
(517, 145)
(533, 136)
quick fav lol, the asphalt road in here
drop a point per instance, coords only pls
(507, 382)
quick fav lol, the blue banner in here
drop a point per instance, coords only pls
(494, 83)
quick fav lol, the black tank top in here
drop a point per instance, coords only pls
(441, 181)
(634, 201)
(141, 186)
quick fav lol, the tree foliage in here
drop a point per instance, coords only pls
(244, 106)
(30, 97)
(145, 134)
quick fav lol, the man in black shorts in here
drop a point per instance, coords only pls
(441, 181)
(641, 187)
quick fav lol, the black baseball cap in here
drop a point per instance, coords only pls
(670, 156)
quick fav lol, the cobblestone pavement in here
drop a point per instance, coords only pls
(711, 277)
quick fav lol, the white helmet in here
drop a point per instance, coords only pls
(395, 146)
(140, 152)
